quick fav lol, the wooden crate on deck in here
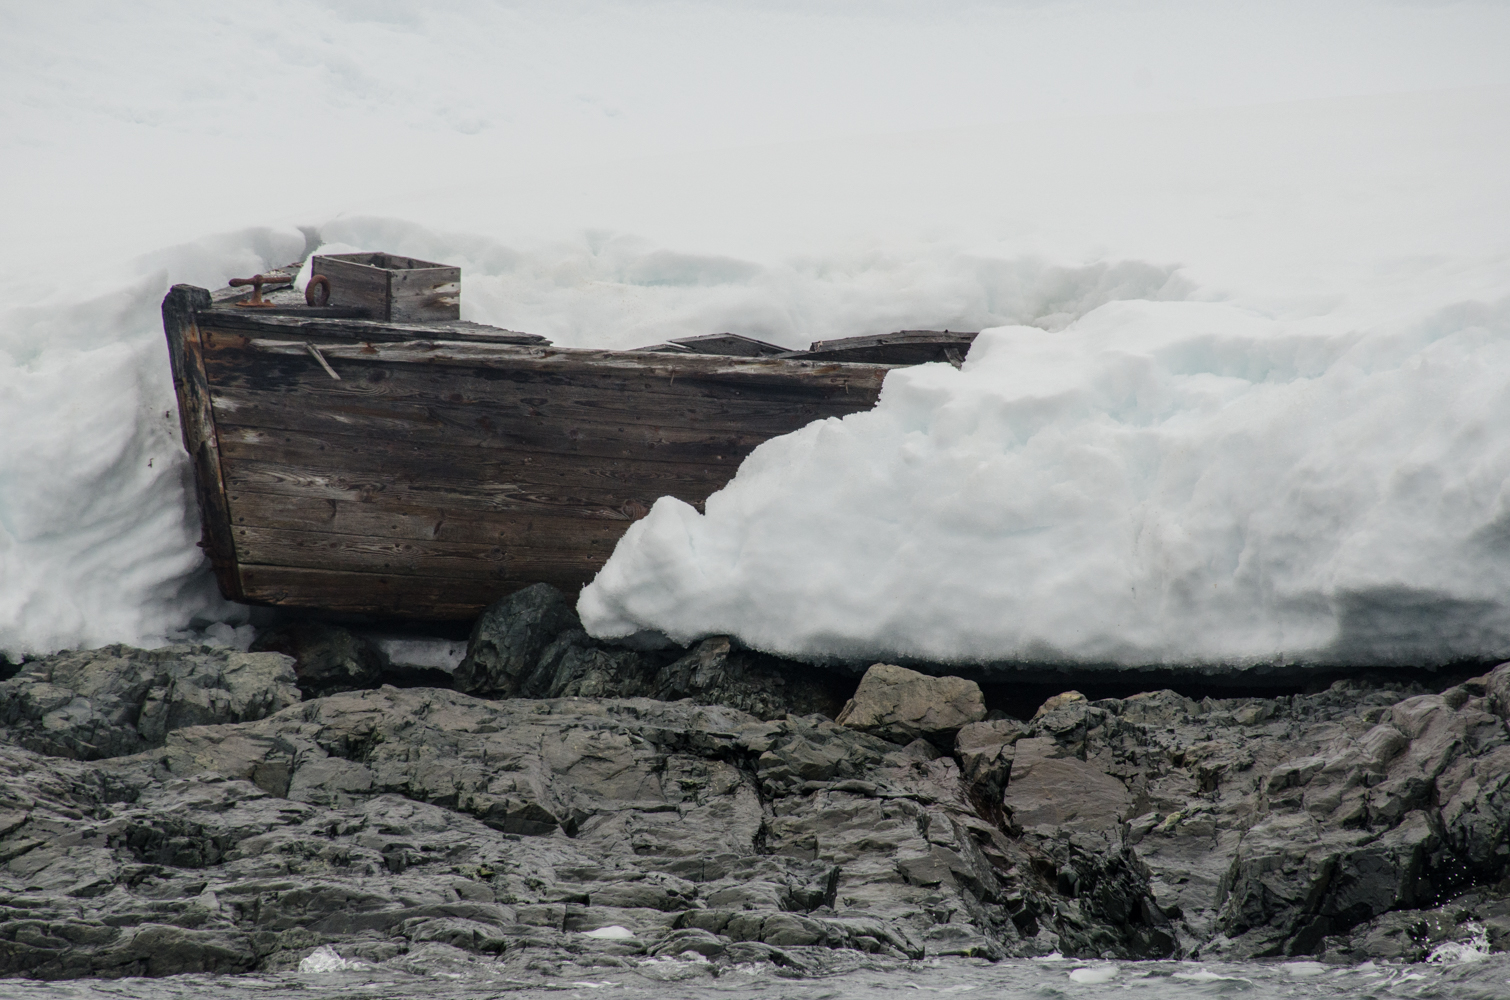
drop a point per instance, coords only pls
(393, 288)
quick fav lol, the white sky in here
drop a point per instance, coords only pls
(131, 126)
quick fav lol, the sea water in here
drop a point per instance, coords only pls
(1471, 974)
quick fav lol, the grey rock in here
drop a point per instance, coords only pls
(509, 637)
(903, 705)
(1057, 702)
(418, 825)
(574, 665)
(1271, 827)
(327, 658)
(1051, 787)
(985, 751)
(426, 830)
(1411, 935)
(117, 700)
(716, 673)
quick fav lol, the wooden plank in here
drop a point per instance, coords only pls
(304, 322)
(568, 392)
(385, 594)
(387, 518)
(365, 554)
(731, 344)
(585, 396)
(907, 347)
(354, 283)
(478, 427)
(424, 294)
(778, 375)
(408, 461)
(395, 288)
(899, 337)
(361, 553)
(375, 486)
(197, 422)
(594, 400)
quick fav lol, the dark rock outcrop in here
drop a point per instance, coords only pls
(509, 637)
(327, 658)
(531, 645)
(1282, 826)
(118, 700)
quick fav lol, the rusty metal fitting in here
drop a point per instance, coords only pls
(317, 292)
(257, 281)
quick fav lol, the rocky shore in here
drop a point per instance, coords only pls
(559, 805)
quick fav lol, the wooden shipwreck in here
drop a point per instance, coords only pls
(361, 450)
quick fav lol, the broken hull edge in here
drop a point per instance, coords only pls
(433, 477)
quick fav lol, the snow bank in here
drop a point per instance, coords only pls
(613, 175)
(1157, 483)
(98, 527)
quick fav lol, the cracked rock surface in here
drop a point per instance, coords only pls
(1362, 821)
(118, 700)
(531, 645)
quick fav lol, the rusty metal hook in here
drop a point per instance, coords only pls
(317, 281)
(257, 281)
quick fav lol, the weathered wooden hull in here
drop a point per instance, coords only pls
(444, 467)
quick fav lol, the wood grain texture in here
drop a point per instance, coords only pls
(197, 424)
(444, 470)
(446, 427)
(303, 323)
(490, 471)
(390, 595)
(905, 347)
(394, 288)
(637, 395)
(461, 494)
(792, 375)
(394, 519)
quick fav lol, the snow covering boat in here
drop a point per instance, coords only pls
(359, 449)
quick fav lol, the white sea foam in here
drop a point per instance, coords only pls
(327, 959)
(1474, 948)
(1093, 975)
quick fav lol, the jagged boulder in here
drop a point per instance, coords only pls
(985, 751)
(327, 658)
(575, 666)
(531, 645)
(508, 638)
(1057, 702)
(715, 672)
(1052, 788)
(903, 705)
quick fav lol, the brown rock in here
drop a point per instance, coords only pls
(1058, 701)
(902, 705)
(1050, 788)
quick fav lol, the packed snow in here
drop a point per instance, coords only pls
(1159, 482)
(1245, 277)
